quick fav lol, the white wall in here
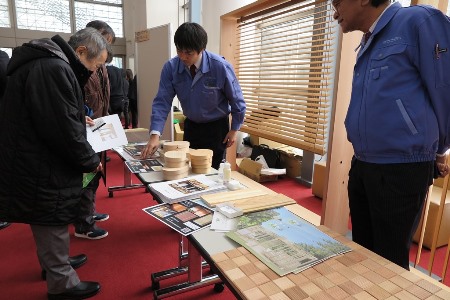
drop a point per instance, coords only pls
(143, 14)
(211, 12)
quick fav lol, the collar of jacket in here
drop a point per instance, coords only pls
(81, 72)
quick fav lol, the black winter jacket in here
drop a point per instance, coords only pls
(43, 148)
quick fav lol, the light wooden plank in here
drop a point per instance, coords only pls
(222, 197)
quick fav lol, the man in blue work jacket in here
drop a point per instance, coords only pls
(208, 90)
(398, 119)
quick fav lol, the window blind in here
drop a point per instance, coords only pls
(285, 65)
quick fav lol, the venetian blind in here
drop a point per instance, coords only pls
(285, 65)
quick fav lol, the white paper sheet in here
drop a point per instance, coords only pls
(107, 133)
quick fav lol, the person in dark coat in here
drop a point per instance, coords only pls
(116, 90)
(4, 59)
(44, 150)
(132, 98)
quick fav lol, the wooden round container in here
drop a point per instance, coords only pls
(176, 145)
(201, 170)
(175, 156)
(201, 160)
(175, 173)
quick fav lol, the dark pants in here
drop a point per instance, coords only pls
(386, 202)
(208, 136)
(52, 246)
(85, 220)
(126, 114)
(134, 113)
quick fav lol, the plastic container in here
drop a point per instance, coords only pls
(220, 172)
(226, 172)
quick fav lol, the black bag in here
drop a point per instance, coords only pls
(271, 156)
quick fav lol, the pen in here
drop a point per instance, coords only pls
(99, 127)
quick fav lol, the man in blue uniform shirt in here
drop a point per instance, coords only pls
(208, 91)
(398, 119)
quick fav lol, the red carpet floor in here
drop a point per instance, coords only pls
(137, 246)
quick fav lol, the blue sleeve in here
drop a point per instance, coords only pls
(233, 92)
(162, 104)
(434, 35)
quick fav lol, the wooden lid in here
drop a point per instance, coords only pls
(200, 154)
(169, 146)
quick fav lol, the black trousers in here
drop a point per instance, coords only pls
(208, 135)
(386, 202)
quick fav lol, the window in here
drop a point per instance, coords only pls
(8, 51)
(54, 15)
(4, 14)
(111, 14)
(285, 65)
(46, 15)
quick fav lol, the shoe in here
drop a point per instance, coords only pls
(83, 290)
(74, 261)
(100, 217)
(4, 225)
(95, 234)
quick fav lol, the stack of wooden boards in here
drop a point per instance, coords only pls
(248, 200)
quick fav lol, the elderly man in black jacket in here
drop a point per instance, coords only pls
(44, 151)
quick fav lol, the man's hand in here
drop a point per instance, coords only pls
(230, 138)
(151, 147)
(442, 166)
(99, 168)
(89, 121)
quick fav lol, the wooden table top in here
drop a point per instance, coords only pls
(359, 274)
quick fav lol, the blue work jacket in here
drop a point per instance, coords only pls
(211, 95)
(400, 104)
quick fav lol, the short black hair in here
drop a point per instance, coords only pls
(376, 3)
(104, 29)
(190, 36)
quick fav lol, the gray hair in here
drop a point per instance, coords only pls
(89, 37)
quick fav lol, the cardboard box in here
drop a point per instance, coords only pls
(252, 170)
(430, 228)
(318, 178)
(178, 132)
(292, 163)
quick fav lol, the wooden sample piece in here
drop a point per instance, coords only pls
(222, 197)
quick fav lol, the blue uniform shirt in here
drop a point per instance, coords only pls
(400, 105)
(213, 94)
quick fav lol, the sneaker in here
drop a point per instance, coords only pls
(95, 234)
(4, 224)
(100, 217)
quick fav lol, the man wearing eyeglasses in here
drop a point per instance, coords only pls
(208, 90)
(398, 119)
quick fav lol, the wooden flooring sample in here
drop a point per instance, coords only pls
(222, 197)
